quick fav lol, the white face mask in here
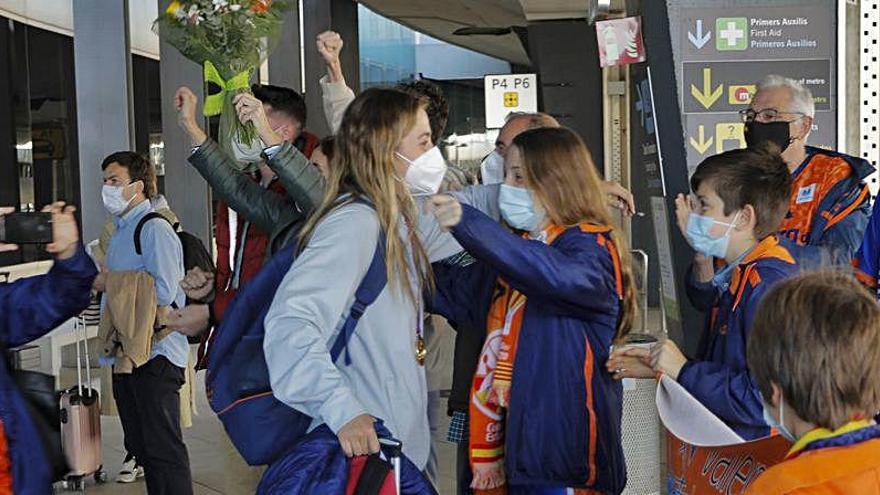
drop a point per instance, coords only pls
(247, 156)
(492, 168)
(425, 173)
(114, 201)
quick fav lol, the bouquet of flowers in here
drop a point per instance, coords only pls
(230, 39)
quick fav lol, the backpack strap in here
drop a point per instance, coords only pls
(140, 226)
(367, 293)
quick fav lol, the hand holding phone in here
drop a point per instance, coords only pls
(4, 247)
(26, 228)
(55, 226)
(65, 233)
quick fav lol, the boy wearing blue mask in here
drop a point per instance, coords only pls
(740, 198)
(815, 355)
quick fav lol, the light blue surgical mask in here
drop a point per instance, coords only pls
(518, 208)
(780, 426)
(699, 235)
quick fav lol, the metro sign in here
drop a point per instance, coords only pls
(740, 94)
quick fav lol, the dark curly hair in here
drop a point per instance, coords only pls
(438, 107)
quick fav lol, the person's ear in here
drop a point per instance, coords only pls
(137, 187)
(803, 128)
(288, 132)
(775, 395)
(748, 219)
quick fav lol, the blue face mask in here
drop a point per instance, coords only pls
(699, 235)
(780, 426)
(518, 208)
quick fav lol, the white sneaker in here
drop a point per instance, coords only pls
(130, 471)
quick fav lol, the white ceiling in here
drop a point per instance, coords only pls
(439, 18)
(57, 16)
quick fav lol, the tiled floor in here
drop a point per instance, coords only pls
(216, 466)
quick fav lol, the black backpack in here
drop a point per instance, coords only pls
(195, 254)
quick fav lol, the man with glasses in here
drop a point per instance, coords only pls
(829, 209)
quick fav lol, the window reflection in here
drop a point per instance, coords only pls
(38, 115)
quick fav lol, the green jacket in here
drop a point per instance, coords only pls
(262, 207)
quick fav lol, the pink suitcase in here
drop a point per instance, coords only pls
(81, 422)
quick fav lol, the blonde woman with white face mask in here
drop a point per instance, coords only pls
(377, 162)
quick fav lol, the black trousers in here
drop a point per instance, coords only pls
(463, 474)
(149, 408)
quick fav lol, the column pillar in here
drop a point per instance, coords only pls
(570, 79)
(285, 62)
(187, 192)
(103, 97)
(318, 16)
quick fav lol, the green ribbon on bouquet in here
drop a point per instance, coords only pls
(214, 103)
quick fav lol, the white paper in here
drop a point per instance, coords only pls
(689, 420)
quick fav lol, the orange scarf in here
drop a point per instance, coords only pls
(491, 384)
(5, 464)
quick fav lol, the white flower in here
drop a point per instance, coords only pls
(235, 7)
(194, 16)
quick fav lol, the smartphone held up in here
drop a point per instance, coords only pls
(26, 228)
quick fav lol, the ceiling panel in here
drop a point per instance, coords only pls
(441, 18)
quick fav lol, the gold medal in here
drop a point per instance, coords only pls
(421, 350)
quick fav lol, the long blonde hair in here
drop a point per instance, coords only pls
(363, 166)
(559, 169)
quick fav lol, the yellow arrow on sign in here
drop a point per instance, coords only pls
(707, 97)
(702, 145)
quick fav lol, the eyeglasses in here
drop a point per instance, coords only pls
(767, 115)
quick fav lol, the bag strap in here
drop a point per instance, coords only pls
(140, 226)
(367, 293)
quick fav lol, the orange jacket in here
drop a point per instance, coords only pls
(846, 461)
(829, 207)
(5, 463)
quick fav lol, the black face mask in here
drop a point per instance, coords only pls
(759, 134)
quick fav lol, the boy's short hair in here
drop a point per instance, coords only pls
(284, 100)
(817, 336)
(139, 169)
(438, 107)
(749, 177)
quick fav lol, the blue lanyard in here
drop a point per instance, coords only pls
(721, 280)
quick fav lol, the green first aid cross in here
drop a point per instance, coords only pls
(731, 33)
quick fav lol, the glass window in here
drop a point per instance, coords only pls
(147, 97)
(36, 66)
(37, 71)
